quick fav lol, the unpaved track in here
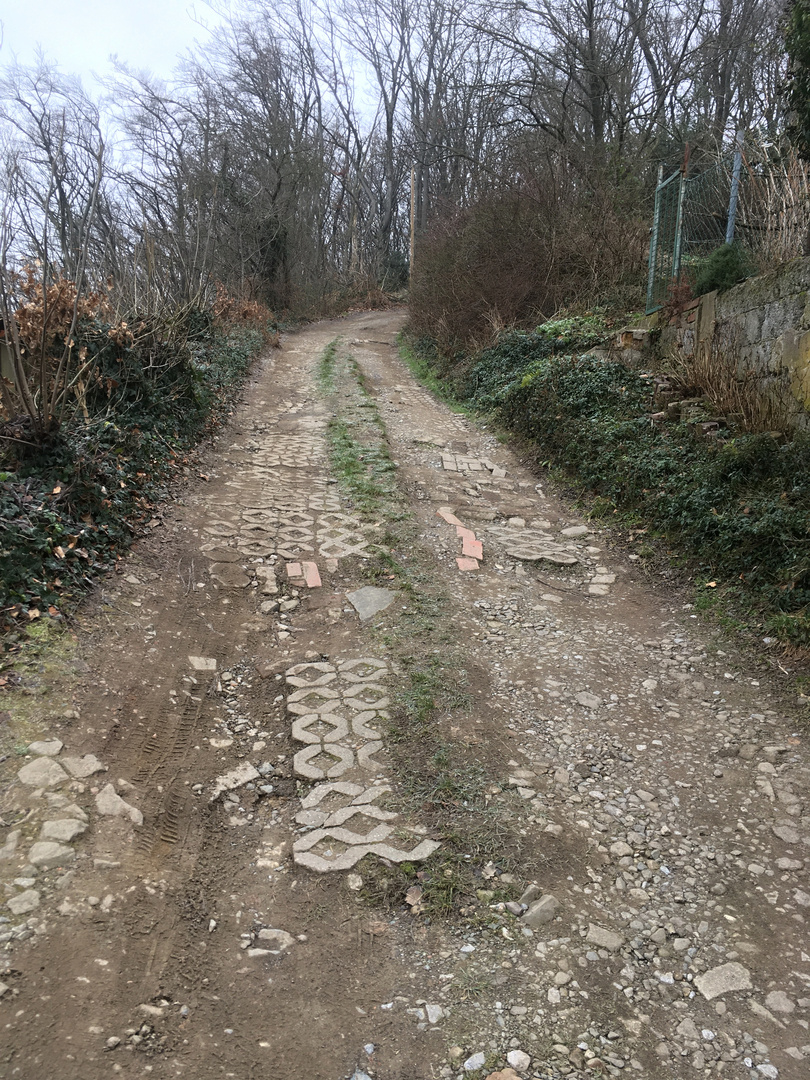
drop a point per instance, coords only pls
(643, 766)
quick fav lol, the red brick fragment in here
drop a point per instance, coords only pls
(473, 549)
(446, 513)
(312, 579)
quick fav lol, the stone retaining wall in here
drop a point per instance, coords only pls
(765, 321)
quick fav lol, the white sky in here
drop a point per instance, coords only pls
(80, 35)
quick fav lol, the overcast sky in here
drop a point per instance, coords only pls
(80, 35)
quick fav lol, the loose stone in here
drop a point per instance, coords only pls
(47, 854)
(519, 1060)
(604, 939)
(110, 803)
(23, 902)
(42, 773)
(541, 911)
(64, 830)
(723, 980)
(46, 747)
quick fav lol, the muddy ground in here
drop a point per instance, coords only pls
(231, 850)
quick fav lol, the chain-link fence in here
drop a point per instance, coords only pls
(691, 219)
(771, 215)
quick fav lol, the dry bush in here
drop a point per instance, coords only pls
(363, 293)
(714, 371)
(679, 295)
(45, 314)
(38, 325)
(517, 258)
(774, 215)
(229, 310)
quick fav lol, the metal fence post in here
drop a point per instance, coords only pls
(651, 274)
(676, 253)
(735, 188)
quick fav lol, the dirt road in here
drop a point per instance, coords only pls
(376, 760)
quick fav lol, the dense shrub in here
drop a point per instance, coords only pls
(721, 269)
(71, 504)
(517, 257)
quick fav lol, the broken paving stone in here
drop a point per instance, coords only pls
(64, 830)
(472, 549)
(46, 854)
(221, 554)
(575, 530)
(604, 939)
(45, 748)
(82, 767)
(266, 575)
(446, 513)
(238, 777)
(723, 980)
(276, 941)
(110, 803)
(42, 773)
(23, 902)
(312, 577)
(369, 600)
(528, 553)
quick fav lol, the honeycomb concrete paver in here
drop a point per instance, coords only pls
(279, 532)
(339, 710)
(320, 728)
(320, 761)
(533, 545)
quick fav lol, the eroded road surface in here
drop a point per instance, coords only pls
(356, 771)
